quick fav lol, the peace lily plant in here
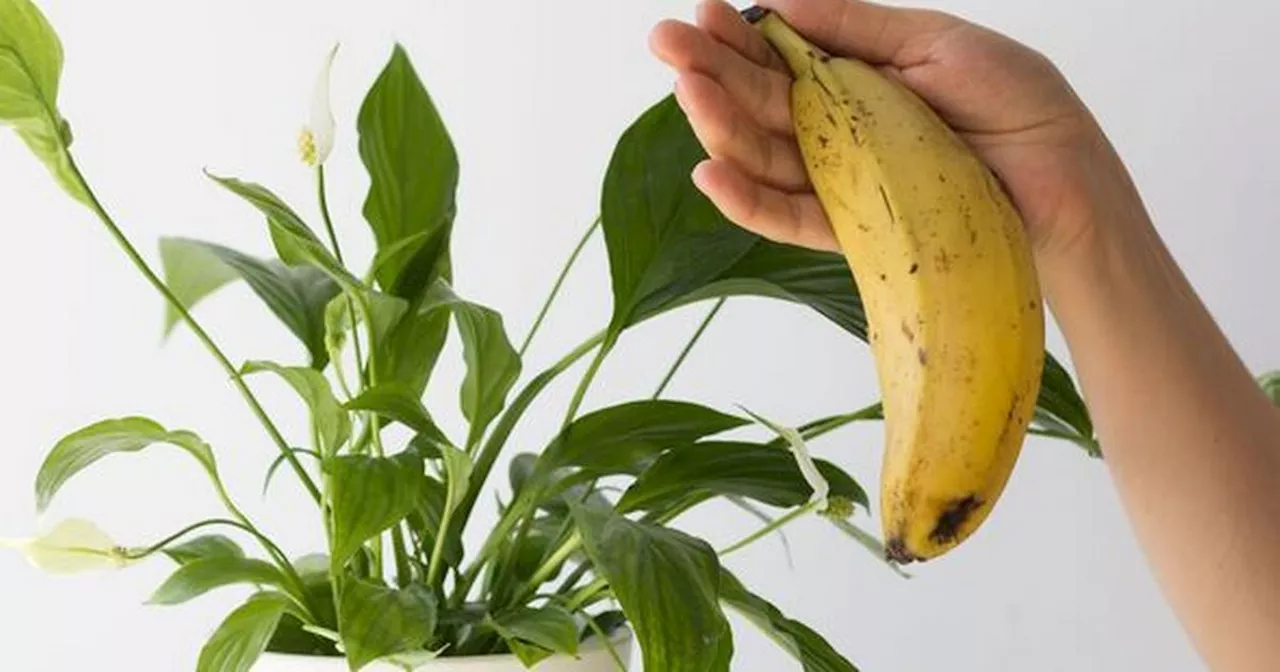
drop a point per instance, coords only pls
(584, 546)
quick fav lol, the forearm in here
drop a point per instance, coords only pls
(1192, 444)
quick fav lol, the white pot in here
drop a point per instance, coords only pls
(592, 657)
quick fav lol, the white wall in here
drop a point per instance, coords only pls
(157, 90)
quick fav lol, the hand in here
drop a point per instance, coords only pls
(1008, 102)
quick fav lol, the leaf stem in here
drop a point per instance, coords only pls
(764, 531)
(555, 289)
(548, 568)
(684, 354)
(579, 394)
(132, 253)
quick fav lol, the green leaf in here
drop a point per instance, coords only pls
(1060, 399)
(665, 239)
(627, 437)
(820, 280)
(492, 362)
(30, 70)
(667, 583)
(201, 548)
(536, 633)
(370, 494)
(298, 295)
(426, 521)
(243, 635)
(797, 639)
(384, 311)
(329, 420)
(413, 171)
(396, 401)
(457, 467)
(198, 577)
(378, 621)
(82, 448)
(761, 472)
(295, 242)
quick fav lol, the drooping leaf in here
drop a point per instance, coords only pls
(297, 295)
(198, 577)
(492, 362)
(201, 548)
(536, 633)
(395, 401)
(329, 420)
(30, 74)
(295, 242)
(626, 437)
(242, 636)
(378, 621)
(370, 494)
(413, 171)
(667, 582)
(82, 448)
(665, 239)
(521, 469)
(763, 473)
(802, 642)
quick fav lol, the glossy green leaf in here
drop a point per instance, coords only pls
(665, 239)
(395, 401)
(30, 74)
(492, 362)
(802, 642)
(242, 636)
(1060, 400)
(413, 171)
(667, 582)
(378, 621)
(536, 633)
(82, 448)
(627, 437)
(329, 420)
(198, 577)
(297, 295)
(202, 548)
(370, 494)
(764, 473)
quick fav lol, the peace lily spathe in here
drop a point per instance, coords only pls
(72, 546)
(808, 469)
(317, 137)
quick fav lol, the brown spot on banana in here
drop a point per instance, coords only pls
(923, 356)
(952, 519)
(884, 196)
(906, 331)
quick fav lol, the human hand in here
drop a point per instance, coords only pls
(1007, 101)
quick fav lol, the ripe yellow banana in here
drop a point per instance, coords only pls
(948, 281)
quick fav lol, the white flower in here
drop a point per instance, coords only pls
(800, 451)
(317, 138)
(73, 545)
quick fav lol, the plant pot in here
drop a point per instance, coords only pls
(593, 656)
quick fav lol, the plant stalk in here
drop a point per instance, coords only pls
(555, 289)
(684, 354)
(203, 336)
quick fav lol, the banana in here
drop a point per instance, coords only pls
(947, 278)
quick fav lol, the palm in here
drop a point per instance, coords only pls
(1008, 102)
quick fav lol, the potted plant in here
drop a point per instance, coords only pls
(584, 560)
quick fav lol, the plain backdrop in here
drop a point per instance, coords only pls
(535, 95)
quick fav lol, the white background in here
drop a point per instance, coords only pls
(157, 90)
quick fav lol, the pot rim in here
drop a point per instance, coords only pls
(622, 635)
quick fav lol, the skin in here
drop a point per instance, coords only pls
(1192, 444)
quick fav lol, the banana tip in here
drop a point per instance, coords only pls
(896, 551)
(754, 13)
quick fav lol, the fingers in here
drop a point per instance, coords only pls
(763, 93)
(725, 23)
(727, 133)
(794, 219)
(869, 31)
